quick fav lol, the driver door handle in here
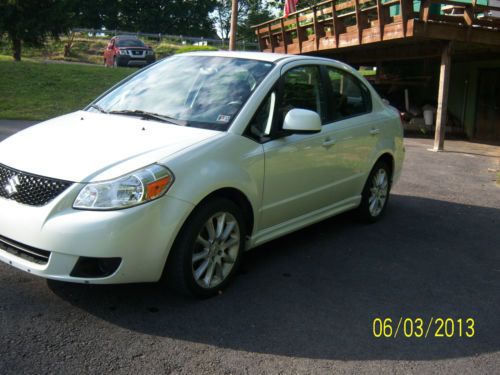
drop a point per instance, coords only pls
(328, 142)
(374, 131)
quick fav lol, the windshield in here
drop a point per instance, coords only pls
(129, 43)
(199, 91)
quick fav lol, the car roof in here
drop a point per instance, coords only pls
(261, 56)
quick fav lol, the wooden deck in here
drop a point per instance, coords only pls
(331, 25)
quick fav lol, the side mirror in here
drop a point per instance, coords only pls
(302, 121)
(385, 101)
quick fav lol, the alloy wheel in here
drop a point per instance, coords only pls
(216, 249)
(378, 192)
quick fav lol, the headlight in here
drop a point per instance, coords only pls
(122, 52)
(135, 188)
(150, 52)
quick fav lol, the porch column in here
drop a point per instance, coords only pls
(442, 107)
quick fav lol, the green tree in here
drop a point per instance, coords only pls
(31, 21)
(258, 12)
(250, 12)
(96, 14)
(179, 17)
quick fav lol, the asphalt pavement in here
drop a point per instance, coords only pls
(302, 304)
(9, 127)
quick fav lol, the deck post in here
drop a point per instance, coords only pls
(404, 15)
(442, 107)
(335, 24)
(283, 34)
(359, 21)
(270, 31)
(259, 39)
(316, 29)
(299, 31)
(381, 18)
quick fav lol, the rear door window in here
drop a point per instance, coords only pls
(349, 96)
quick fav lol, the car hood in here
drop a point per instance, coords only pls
(84, 146)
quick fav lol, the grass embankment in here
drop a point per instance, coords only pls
(38, 91)
(90, 49)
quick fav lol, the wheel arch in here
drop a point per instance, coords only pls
(388, 158)
(240, 199)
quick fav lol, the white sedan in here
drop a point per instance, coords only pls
(183, 166)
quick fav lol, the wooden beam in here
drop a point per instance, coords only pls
(425, 12)
(283, 35)
(335, 24)
(299, 31)
(359, 21)
(404, 14)
(270, 36)
(442, 108)
(468, 16)
(381, 19)
(453, 32)
(315, 27)
(259, 39)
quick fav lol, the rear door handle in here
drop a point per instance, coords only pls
(329, 142)
(374, 131)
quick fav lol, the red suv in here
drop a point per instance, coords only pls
(128, 51)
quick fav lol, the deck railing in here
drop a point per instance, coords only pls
(343, 23)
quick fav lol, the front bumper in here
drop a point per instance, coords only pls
(141, 236)
(126, 60)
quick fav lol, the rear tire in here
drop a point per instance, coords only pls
(207, 251)
(375, 193)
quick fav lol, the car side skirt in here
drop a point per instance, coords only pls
(292, 225)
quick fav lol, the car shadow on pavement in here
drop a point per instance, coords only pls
(315, 293)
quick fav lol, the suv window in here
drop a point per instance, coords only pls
(349, 96)
(302, 88)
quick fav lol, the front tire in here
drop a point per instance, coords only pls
(375, 193)
(207, 251)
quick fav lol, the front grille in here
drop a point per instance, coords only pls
(28, 188)
(28, 253)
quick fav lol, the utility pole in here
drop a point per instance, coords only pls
(234, 25)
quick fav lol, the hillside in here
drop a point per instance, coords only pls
(87, 49)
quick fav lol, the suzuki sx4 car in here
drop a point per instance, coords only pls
(183, 166)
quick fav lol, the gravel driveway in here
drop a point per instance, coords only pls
(304, 303)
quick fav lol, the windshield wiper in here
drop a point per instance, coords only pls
(98, 107)
(148, 116)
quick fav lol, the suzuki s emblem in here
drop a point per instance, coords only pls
(11, 187)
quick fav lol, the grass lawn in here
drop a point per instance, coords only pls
(38, 91)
